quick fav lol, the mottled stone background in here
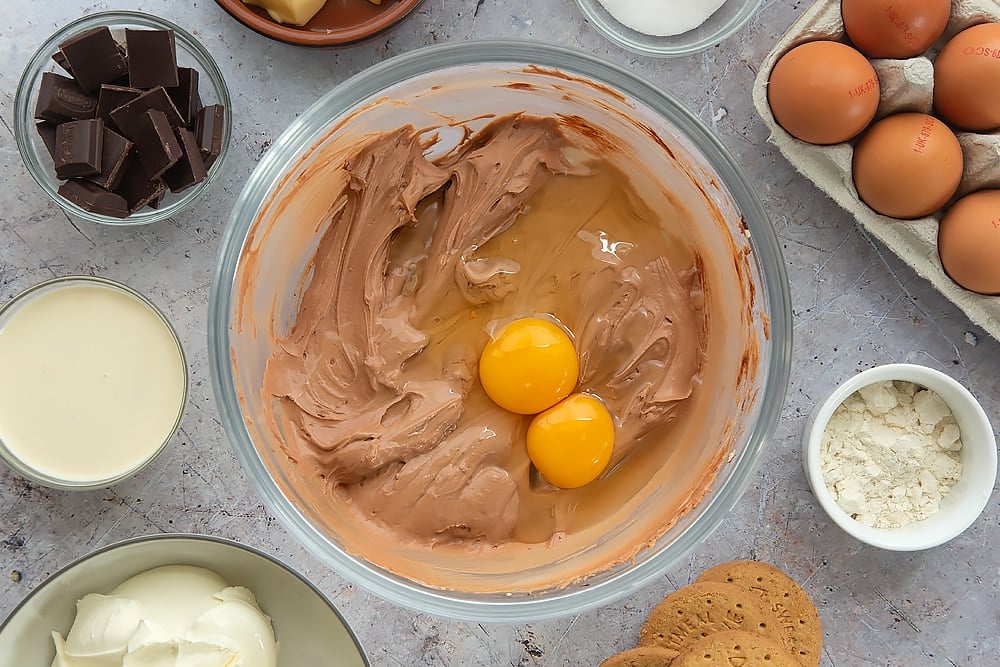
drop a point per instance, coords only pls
(855, 306)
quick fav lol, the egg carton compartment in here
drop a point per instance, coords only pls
(906, 85)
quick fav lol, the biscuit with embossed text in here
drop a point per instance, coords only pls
(735, 648)
(699, 610)
(796, 617)
(642, 656)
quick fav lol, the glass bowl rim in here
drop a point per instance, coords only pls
(24, 116)
(619, 34)
(285, 152)
(30, 473)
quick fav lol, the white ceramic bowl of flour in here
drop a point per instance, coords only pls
(962, 504)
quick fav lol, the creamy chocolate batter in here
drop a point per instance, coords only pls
(375, 385)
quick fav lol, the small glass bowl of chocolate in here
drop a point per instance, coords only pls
(122, 118)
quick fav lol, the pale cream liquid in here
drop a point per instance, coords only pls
(91, 383)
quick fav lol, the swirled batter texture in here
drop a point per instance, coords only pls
(376, 383)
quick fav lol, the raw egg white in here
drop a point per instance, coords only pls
(967, 79)
(823, 92)
(907, 165)
(969, 242)
(529, 366)
(571, 443)
(895, 28)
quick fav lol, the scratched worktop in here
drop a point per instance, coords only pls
(855, 306)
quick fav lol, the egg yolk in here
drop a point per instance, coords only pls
(529, 366)
(571, 443)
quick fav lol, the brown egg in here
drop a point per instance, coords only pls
(894, 28)
(907, 165)
(967, 79)
(969, 242)
(823, 92)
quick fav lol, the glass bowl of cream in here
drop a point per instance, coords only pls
(177, 599)
(668, 28)
(94, 383)
(410, 213)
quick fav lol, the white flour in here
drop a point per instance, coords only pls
(662, 17)
(890, 454)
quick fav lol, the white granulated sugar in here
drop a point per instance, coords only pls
(890, 454)
(662, 18)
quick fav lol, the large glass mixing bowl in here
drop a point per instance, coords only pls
(265, 260)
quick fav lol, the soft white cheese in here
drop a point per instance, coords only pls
(171, 616)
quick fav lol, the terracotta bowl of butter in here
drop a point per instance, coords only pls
(963, 503)
(404, 216)
(337, 23)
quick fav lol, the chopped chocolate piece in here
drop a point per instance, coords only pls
(155, 142)
(92, 198)
(79, 146)
(185, 94)
(116, 150)
(94, 58)
(208, 131)
(47, 131)
(61, 98)
(156, 98)
(190, 169)
(152, 58)
(60, 58)
(136, 186)
(110, 98)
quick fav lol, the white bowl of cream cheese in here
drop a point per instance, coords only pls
(901, 456)
(192, 599)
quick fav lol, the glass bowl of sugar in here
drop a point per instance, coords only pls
(668, 28)
(901, 456)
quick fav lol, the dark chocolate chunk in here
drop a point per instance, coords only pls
(155, 143)
(185, 94)
(47, 131)
(136, 186)
(156, 98)
(92, 198)
(60, 58)
(208, 131)
(94, 58)
(79, 147)
(152, 58)
(116, 151)
(190, 169)
(61, 98)
(110, 98)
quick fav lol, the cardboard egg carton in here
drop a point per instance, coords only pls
(906, 85)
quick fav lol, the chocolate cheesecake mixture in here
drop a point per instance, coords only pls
(375, 386)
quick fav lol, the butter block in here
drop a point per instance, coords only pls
(294, 12)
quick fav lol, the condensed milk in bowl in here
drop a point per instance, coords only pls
(93, 382)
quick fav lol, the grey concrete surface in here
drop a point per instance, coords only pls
(855, 306)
